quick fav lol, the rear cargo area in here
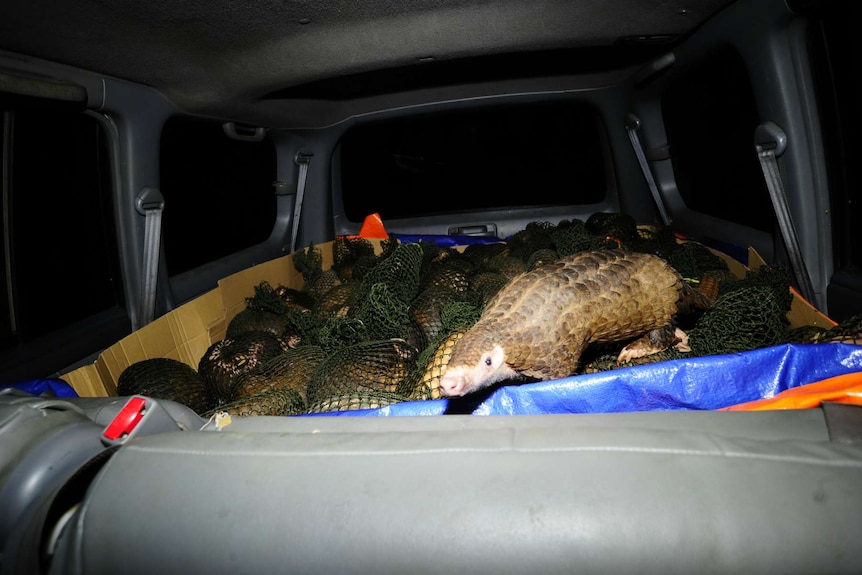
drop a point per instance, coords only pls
(384, 313)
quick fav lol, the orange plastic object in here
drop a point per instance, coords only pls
(840, 389)
(372, 228)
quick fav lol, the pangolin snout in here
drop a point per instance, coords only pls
(453, 382)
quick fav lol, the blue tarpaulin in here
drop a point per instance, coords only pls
(445, 241)
(51, 387)
(699, 383)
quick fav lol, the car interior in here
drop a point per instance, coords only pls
(150, 151)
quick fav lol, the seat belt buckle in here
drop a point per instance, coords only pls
(139, 416)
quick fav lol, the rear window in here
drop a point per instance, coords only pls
(504, 157)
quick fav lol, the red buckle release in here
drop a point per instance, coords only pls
(126, 420)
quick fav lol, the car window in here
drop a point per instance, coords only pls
(710, 116)
(530, 155)
(59, 248)
(219, 195)
(838, 79)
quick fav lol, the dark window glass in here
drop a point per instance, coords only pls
(839, 82)
(537, 155)
(837, 57)
(59, 260)
(219, 195)
(710, 116)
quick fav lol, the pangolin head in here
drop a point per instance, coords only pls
(476, 362)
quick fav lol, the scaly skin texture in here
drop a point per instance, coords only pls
(540, 322)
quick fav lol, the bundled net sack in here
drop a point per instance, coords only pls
(276, 402)
(164, 378)
(365, 368)
(382, 325)
(227, 359)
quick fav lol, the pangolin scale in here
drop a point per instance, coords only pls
(539, 324)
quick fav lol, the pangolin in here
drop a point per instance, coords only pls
(539, 323)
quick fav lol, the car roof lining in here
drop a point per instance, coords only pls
(220, 58)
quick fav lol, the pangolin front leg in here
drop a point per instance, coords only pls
(655, 341)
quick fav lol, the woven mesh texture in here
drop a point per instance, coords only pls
(164, 378)
(227, 359)
(379, 365)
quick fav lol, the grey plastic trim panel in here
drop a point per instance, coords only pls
(776, 54)
(43, 442)
(39, 69)
(39, 88)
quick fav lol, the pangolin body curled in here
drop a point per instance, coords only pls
(541, 321)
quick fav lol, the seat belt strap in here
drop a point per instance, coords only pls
(633, 124)
(302, 160)
(150, 203)
(770, 141)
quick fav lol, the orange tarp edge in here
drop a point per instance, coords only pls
(845, 388)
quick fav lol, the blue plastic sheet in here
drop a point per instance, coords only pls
(51, 387)
(445, 241)
(737, 252)
(699, 383)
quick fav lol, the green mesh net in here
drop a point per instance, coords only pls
(742, 319)
(618, 226)
(291, 369)
(384, 313)
(275, 402)
(227, 359)
(399, 272)
(351, 257)
(847, 331)
(534, 237)
(427, 309)
(356, 400)
(339, 331)
(572, 237)
(309, 263)
(252, 320)
(165, 378)
(338, 301)
(694, 260)
(372, 366)
(266, 298)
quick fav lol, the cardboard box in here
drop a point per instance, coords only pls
(187, 332)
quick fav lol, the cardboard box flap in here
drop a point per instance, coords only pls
(182, 334)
